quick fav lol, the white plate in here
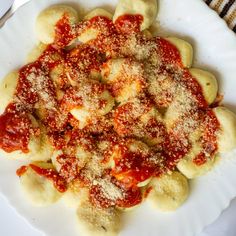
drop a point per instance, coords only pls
(215, 49)
(4, 6)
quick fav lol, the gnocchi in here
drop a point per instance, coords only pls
(47, 20)
(39, 189)
(169, 191)
(7, 87)
(147, 9)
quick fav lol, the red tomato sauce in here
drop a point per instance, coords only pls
(194, 87)
(14, 130)
(21, 170)
(169, 53)
(129, 23)
(132, 167)
(63, 32)
(51, 174)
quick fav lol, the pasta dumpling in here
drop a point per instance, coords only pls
(168, 191)
(189, 168)
(125, 77)
(75, 195)
(88, 34)
(227, 134)
(146, 8)
(90, 98)
(185, 50)
(79, 152)
(98, 221)
(92, 32)
(48, 18)
(197, 161)
(38, 188)
(82, 114)
(208, 83)
(136, 170)
(56, 72)
(7, 89)
(162, 88)
(39, 147)
(139, 118)
(179, 106)
(98, 12)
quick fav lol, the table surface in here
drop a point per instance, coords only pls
(11, 224)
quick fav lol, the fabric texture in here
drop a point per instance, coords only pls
(226, 10)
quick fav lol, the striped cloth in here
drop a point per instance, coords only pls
(226, 10)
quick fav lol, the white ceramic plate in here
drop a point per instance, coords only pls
(215, 49)
(4, 6)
